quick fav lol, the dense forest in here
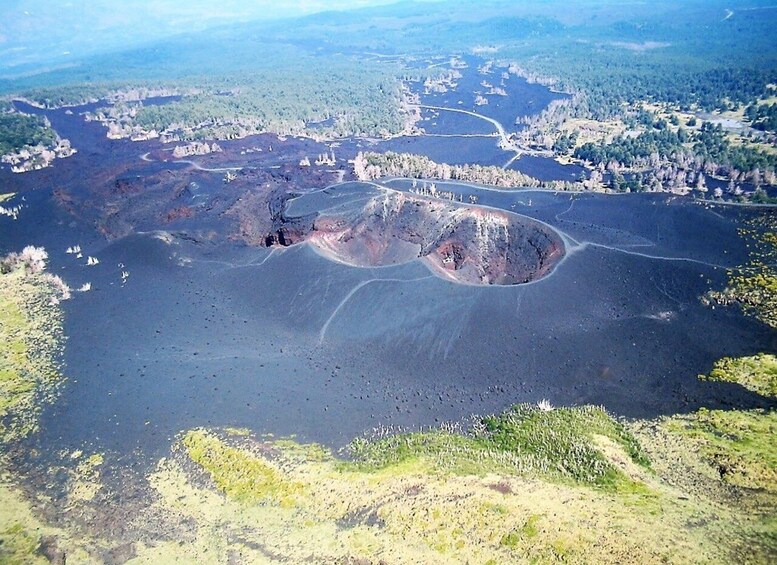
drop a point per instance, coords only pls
(361, 103)
(18, 131)
(704, 151)
(70, 95)
(611, 78)
(689, 53)
(762, 116)
(709, 143)
(362, 99)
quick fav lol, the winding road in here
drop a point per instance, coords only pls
(504, 139)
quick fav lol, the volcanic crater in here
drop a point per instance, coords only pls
(370, 226)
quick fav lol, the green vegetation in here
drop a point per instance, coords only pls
(711, 145)
(762, 116)
(693, 56)
(280, 501)
(18, 131)
(444, 496)
(757, 373)
(555, 443)
(18, 545)
(704, 151)
(30, 341)
(685, 54)
(702, 484)
(534, 484)
(689, 57)
(236, 472)
(761, 197)
(738, 444)
(614, 54)
(370, 166)
(364, 102)
(23, 533)
(293, 99)
(85, 480)
(73, 94)
(754, 285)
(527, 531)
(610, 77)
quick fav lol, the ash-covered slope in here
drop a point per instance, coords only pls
(364, 225)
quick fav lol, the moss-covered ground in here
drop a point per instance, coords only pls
(737, 444)
(757, 373)
(529, 485)
(30, 339)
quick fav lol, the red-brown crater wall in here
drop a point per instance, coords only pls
(466, 244)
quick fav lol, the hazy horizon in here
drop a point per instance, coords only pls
(35, 34)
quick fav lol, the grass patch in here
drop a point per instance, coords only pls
(30, 341)
(738, 444)
(238, 473)
(556, 444)
(757, 373)
(23, 533)
(415, 509)
(18, 545)
(507, 491)
(528, 531)
(302, 452)
(414, 497)
(237, 431)
(85, 479)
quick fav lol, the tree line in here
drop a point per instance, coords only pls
(704, 151)
(371, 166)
